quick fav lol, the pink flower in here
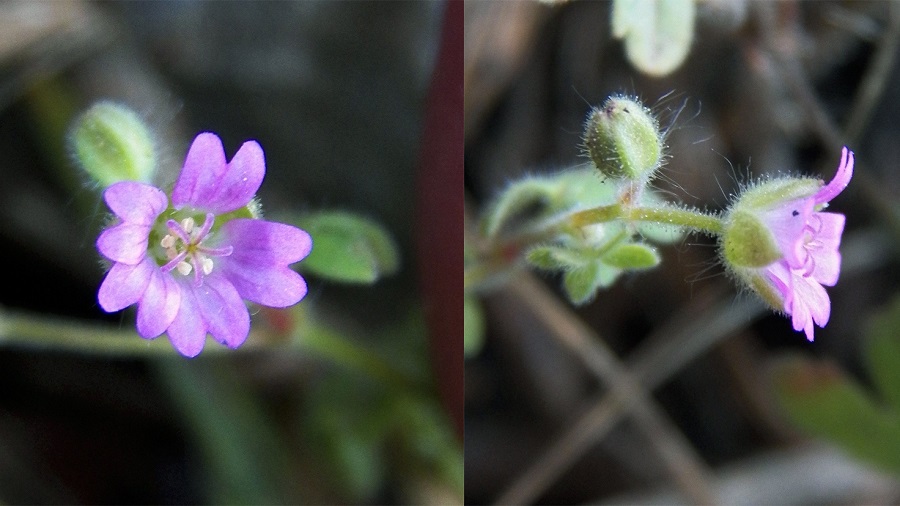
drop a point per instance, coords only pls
(188, 265)
(779, 242)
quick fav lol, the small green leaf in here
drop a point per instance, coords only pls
(473, 326)
(883, 352)
(556, 258)
(521, 201)
(821, 400)
(632, 256)
(657, 33)
(581, 284)
(348, 248)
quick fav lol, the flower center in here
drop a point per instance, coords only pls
(810, 243)
(185, 251)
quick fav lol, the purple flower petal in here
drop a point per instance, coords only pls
(268, 286)
(827, 258)
(265, 243)
(786, 222)
(258, 265)
(135, 203)
(124, 285)
(188, 330)
(207, 182)
(810, 304)
(159, 305)
(222, 309)
(125, 243)
(840, 181)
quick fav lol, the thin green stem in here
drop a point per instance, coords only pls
(665, 215)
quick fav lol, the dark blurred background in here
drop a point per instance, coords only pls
(767, 88)
(335, 93)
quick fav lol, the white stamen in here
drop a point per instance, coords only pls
(171, 253)
(187, 224)
(207, 264)
(167, 242)
(184, 268)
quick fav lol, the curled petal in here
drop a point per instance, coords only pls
(188, 330)
(135, 203)
(207, 182)
(222, 309)
(159, 305)
(125, 243)
(840, 181)
(124, 285)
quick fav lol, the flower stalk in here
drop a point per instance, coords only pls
(663, 215)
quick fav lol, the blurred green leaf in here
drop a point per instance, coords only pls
(883, 352)
(556, 258)
(657, 33)
(581, 283)
(473, 326)
(632, 256)
(348, 248)
(523, 200)
(822, 401)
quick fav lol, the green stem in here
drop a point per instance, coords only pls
(665, 215)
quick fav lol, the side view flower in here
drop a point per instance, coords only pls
(779, 241)
(190, 259)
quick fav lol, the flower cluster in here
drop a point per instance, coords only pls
(780, 242)
(190, 259)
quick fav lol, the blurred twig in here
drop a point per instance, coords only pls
(625, 395)
(819, 120)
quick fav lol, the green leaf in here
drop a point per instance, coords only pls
(657, 33)
(581, 284)
(821, 400)
(632, 256)
(557, 258)
(524, 200)
(348, 248)
(882, 352)
(473, 326)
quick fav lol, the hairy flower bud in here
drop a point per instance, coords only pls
(112, 144)
(623, 139)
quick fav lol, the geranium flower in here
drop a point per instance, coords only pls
(189, 264)
(779, 241)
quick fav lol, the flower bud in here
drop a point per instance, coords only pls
(112, 144)
(623, 139)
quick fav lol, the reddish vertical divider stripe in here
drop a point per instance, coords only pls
(440, 214)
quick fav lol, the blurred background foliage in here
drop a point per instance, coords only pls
(332, 401)
(670, 387)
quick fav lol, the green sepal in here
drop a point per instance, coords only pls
(820, 399)
(657, 33)
(112, 143)
(747, 242)
(348, 248)
(632, 256)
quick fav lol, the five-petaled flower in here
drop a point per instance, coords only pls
(188, 263)
(781, 244)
